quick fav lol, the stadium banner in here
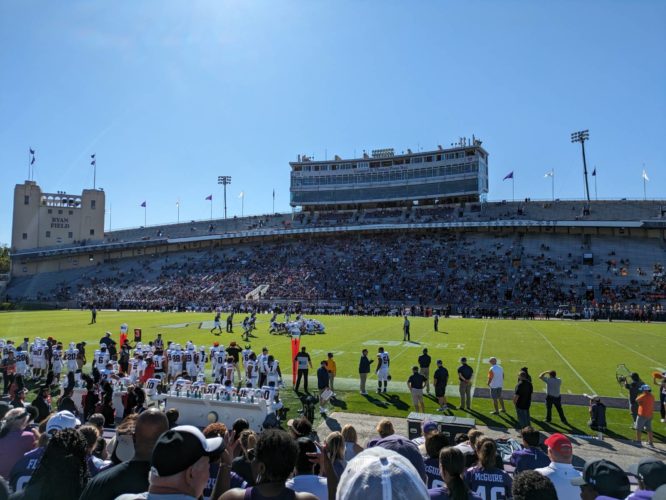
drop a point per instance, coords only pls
(295, 347)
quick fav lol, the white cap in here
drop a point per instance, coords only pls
(62, 420)
(380, 474)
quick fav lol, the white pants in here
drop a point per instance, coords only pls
(382, 375)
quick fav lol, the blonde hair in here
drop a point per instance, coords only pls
(349, 433)
(336, 445)
(385, 428)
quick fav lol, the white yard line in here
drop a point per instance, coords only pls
(564, 359)
(624, 346)
(478, 360)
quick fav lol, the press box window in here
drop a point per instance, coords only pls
(48, 234)
(25, 236)
(26, 200)
(92, 204)
(70, 235)
(92, 232)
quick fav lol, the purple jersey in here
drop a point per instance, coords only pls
(489, 484)
(25, 468)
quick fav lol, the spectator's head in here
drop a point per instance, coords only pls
(150, 424)
(425, 351)
(90, 434)
(451, 468)
(239, 425)
(172, 415)
(463, 360)
(63, 466)
(16, 419)
(97, 419)
(486, 450)
(302, 349)
(247, 441)
(552, 373)
(634, 376)
(474, 435)
(329, 355)
(493, 361)
(378, 473)
(303, 463)
(651, 473)
(180, 460)
(531, 437)
(522, 375)
(415, 369)
(299, 427)
(335, 444)
(530, 485)
(385, 428)
(275, 456)
(560, 449)
(364, 352)
(602, 477)
(349, 433)
(434, 443)
(646, 388)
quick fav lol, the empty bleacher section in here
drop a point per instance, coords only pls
(464, 270)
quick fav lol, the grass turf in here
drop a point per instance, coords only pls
(584, 354)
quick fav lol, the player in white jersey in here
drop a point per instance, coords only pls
(38, 359)
(191, 362)
(101, 357)
(70, 358)
(22, 361)
(382, 371)
(262, 366)
(213, 357)
(245, 353)
(56, 358)
(218, 371)
(251, 372)
(176, 363)
(159, 362)
(273, 373)
(229, 368)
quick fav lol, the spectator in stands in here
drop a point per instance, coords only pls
(274, 459)
(530, 457)
(91, 435)
(62, 467)
(19, 398)
(465, 374)
(522, 399)
(560, 470)
(485, 479)
(180, 464)
(15, 439)
(530, 485)
(352, 448)
(495, 383)
(602, 477)
(434, 443)
(451, 469)
(242, 464)
(651, 474)
(97, 419)
(130, 476)
(384, 428)
(304, 479)
(553, 395)
(645, 403)
(335, 447)
(379, 473)
(404, 447)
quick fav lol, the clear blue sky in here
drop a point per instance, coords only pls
(171, 94)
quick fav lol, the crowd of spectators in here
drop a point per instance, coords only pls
(59, 458)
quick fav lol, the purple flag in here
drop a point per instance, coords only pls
(508, 176)
(594, 172)
(209, 197)
(143, 204)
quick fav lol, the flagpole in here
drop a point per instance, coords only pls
(110, 220)
(243, 206)
(552, 185)
(596, 197)
(29, 166)
(273, 201)
(513, 191)
(95, 174)
(211, 208)
(145, 209)
(178, 212)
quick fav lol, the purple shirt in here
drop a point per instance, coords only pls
(488, 483)
(25, 468)
(529, 459)
(12, 448)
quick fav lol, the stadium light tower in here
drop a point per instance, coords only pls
(225, 180)
(582, 136)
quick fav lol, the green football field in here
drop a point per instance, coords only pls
(584, 354)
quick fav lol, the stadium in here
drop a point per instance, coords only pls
(425, 281)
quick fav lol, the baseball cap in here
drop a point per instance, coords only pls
(180, 448)
(62, 420)
(406, 448)
(646, 387)
(605, 477)
(439, 361)
(378, 473)
(429, 426)
(559, 443)
(651, 471)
